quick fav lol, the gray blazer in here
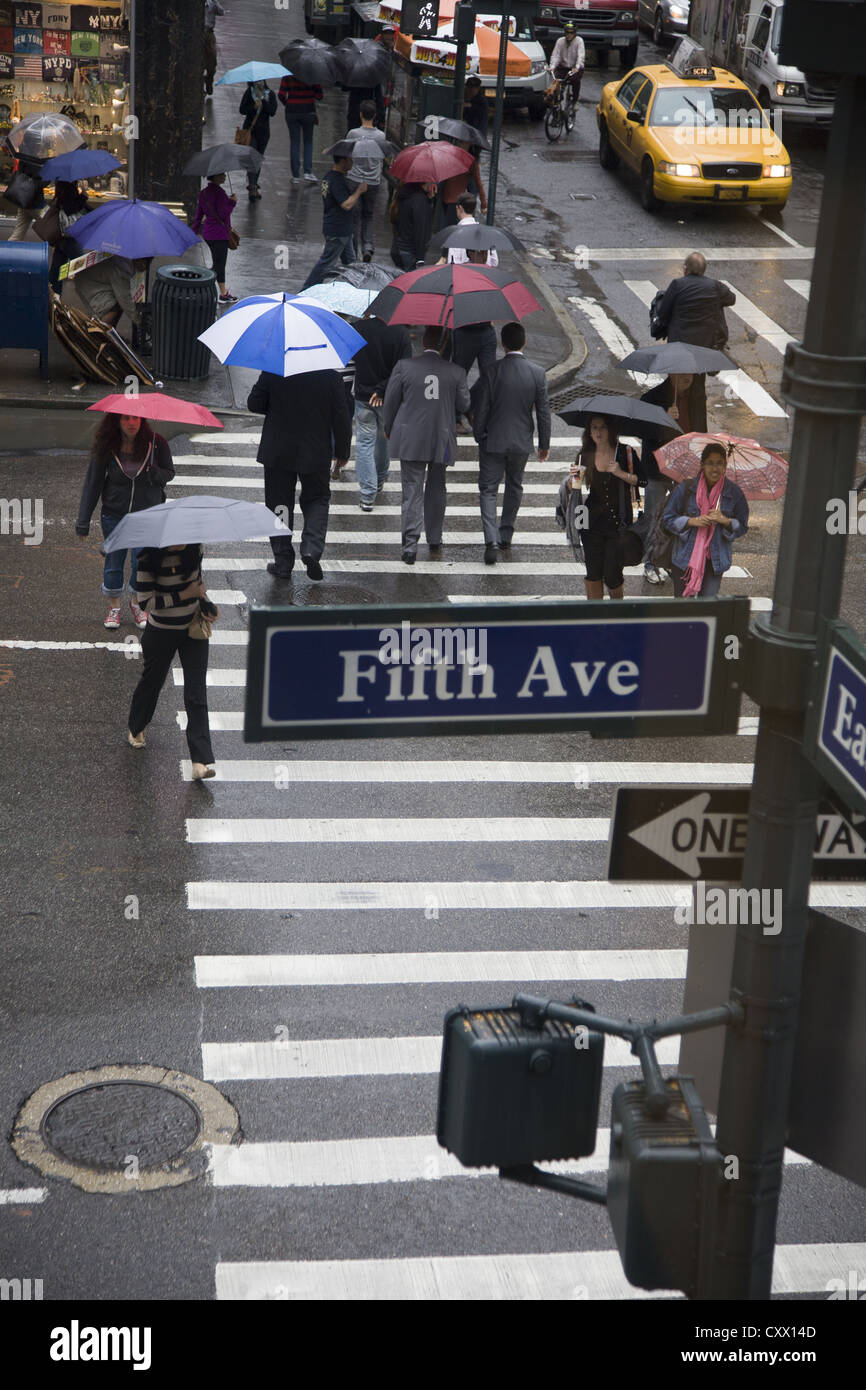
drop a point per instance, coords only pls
(419, 415)
(503, 399)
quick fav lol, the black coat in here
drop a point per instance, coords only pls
(120, 494)
(692, 311)
(387, 344)
(414, 221)
(260, 133)
(308, 421)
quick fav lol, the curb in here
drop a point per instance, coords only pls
(579, 351)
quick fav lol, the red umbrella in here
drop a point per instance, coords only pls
(431, 162)
(453, 296)
(760, 473)
(156, 405)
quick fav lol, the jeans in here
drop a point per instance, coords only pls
(297, 124)
(709, 588)
(115, 561)
(159, 647)
(363, 222)
(372, 460)
(336, 248)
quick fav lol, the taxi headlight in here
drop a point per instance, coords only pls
(680, 171)
(777, 171)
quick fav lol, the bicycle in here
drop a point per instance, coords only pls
(559, 116)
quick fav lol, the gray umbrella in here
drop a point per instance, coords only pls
(629, 416)
(473, 236)
(676, 357)
(43, 135)
(456, 130)
(366, 275)
(219, 159)
(190, 520)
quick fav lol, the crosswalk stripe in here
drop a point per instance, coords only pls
(671, 254)
(800, 287)
(350, 485)
(334, 830)
(757, 320)
(750, 392)
(469, 536)
(506, 896)
(560, 443)
(22, 1196)
(233, 440)
(581, 1274)
(229, 597)
(465, 772)
(435, 967)
(232, 721)
(566, 569)
(758, 605)
(469, 465)
(330, 1057)
(358, 1162)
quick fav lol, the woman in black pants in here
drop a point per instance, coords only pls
(258, 104)
(170, 589)
(611, 484)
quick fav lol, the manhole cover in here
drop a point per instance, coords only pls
(105, 1126)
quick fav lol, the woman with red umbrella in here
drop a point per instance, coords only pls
(128, 470)
(706, 514)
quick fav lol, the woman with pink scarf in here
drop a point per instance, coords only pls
(705, 514)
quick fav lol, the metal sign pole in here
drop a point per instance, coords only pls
(133, 127)
(827, 389)
(497, 116)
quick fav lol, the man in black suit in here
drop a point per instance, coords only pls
(307, 422)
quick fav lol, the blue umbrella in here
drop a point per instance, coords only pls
(341, 297)
(78, 164)
(283, 334)
(253, 72)
(134, 229)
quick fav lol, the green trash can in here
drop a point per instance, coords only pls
(184, 300)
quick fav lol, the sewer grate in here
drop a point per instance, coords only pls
(104, 1126)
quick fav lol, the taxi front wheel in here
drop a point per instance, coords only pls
(606, 157)
(648, 199)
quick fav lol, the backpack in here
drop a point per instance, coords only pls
(657, 330)
(660, 542)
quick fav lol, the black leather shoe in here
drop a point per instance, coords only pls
(436, 552)
(408, 557)
(505, 545)
(313, 568)
(279, 571)
(491, 554)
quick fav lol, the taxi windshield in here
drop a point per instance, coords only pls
(707, 106)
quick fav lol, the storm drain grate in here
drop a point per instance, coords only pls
(107, 1125)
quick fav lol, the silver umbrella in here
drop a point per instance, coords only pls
(191, 520)
(43, 135)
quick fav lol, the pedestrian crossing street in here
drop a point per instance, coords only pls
(339, 910)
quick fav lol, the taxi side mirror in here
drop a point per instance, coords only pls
(635, 116)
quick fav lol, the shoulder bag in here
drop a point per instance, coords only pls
(632, 538)
(244, 137)
(205, 616)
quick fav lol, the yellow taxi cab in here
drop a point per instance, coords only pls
(693, 134)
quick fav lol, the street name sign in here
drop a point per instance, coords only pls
(663, 666)
(835, 736)
(669, 834)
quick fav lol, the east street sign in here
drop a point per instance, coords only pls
(667, 834)
(835, 737)
(662, 666)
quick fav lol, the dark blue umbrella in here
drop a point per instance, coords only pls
(79, 164)
(134, 229)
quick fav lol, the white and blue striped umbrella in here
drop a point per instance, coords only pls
(283, 334)
(341, 297)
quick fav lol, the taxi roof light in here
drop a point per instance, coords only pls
(690, 61)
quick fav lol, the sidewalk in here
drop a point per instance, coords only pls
(283, 229)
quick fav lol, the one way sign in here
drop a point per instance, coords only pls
(664, 834)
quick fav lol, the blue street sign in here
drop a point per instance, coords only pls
(835, 739)
(624, 667)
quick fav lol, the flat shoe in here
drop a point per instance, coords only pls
(135, 740)
(200, 771)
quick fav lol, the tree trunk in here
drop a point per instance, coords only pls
(168, 97)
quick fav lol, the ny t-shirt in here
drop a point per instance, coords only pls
(336, 221)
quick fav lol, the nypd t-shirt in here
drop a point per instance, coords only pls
(336, 221)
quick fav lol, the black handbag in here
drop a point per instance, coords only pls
(23, 190)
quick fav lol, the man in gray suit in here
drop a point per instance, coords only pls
(419, 415)
(503, 399)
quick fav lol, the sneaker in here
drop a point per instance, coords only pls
(311, 178)
(135, 740)
(380, 491)
(228, 299)
(296, 179)
(368, 256)
(365, 506)
(112, 618)
(651, 575)
(138, 614)
(663, 575)
(336, 471)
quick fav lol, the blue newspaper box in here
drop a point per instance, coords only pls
(24, 296)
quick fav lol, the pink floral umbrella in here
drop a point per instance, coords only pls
(761, 473)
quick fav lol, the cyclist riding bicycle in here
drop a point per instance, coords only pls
(568, 58)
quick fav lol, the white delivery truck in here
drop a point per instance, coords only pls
(744, 37)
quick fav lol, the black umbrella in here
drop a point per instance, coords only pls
(452, 296)
(363, 62)
(311, 61)
(366, 275)
(455, 130)
(676, 357)
(627, 415)
(473, 236)
(219, 159)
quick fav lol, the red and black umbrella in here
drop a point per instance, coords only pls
(453, 296)
(431, 162)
